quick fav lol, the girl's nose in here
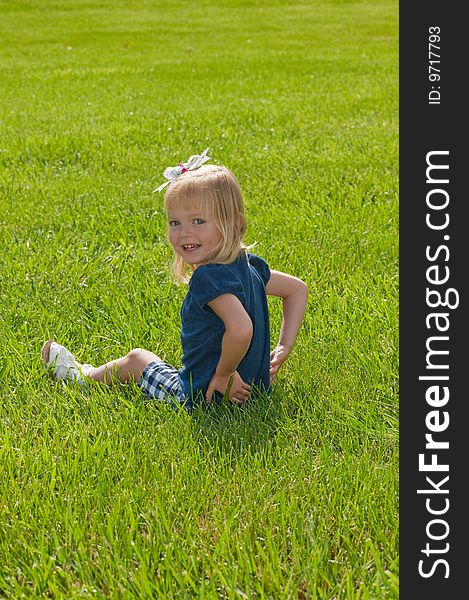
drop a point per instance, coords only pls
(185, 229)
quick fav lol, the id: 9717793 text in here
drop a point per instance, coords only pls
(434, 95)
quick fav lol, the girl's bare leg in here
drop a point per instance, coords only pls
(127, 368)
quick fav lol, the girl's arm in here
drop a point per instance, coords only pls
(234, 345)
(294, 292)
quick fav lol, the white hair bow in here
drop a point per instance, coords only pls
(194, 162)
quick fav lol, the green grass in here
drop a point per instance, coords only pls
(105, 494)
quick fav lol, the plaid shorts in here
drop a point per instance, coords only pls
(161, 381)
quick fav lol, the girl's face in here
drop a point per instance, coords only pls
(192, 234)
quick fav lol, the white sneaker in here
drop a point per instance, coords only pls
(62, 362)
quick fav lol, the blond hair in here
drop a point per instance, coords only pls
(216, 190)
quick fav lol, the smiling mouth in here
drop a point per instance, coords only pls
(191, 247)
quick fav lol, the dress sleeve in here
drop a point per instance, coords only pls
(261, 267)
(212, 280)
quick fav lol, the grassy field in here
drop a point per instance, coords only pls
(103, 493)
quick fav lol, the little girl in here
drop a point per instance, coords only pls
(225, 322)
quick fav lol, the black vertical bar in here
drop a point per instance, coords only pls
(433, 255)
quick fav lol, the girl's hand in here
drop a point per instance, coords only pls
(237, 393)
(277, 358)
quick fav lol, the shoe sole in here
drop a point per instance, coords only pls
(45, 351)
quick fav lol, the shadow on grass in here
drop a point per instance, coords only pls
(231, 429)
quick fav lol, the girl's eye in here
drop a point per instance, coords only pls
(199, 221)
(173, 223)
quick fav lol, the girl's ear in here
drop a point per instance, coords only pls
(242, 224)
